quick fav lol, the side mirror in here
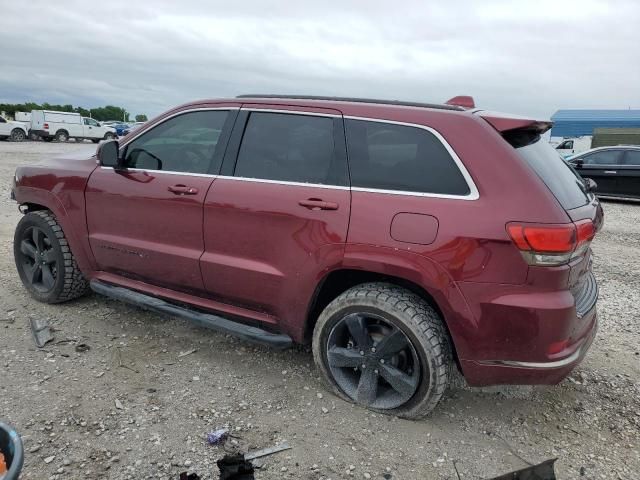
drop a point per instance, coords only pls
(578, 163)
(108, 154)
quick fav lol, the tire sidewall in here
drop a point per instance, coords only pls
(29, 220)
(341, 307)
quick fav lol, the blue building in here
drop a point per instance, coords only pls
(575, 123)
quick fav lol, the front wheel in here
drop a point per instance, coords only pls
(44, 260)
(385, 348)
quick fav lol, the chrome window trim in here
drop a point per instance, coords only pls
(181, 112)
(284, 182)
(473, 194)
(167, 172)
(473, 189)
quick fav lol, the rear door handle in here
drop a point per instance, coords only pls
(611, 172)
(183, 190)
(318, 204)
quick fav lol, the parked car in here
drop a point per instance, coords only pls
(399, 239)
(15, 131)
(61, 126)
(616, 170)
(121, 129)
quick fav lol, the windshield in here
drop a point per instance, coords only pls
(563, 181)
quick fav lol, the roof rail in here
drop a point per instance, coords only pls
(355, 100)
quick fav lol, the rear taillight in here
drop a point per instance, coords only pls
(45, 126)
(551, 244)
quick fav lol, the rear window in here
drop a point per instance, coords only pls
(562, 180)
(388, 156)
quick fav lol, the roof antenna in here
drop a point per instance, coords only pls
(464, 101)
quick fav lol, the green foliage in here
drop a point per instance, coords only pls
(109, 112)
(141, 117)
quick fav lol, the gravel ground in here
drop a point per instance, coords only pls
(135, 406)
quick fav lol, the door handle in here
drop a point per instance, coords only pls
(612, 172)
(183, 190)
(318, 204)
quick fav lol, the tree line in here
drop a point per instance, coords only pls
(101, 114)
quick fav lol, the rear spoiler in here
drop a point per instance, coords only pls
(504, 122)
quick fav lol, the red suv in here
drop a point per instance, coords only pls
(397, 238)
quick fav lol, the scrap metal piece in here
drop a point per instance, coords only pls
(266, 451)
(41, 332)
(542, 471)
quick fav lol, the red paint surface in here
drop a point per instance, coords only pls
(250, 250)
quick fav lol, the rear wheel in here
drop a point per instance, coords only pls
(18, 135)
(384, 348)
(62, 136)
(44, 260)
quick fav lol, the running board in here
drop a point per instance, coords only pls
(206, 320)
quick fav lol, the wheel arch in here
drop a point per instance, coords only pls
(338, 281)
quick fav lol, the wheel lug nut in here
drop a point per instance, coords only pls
(375, 371)
(373, 349)
(362, 352)
(382, 361)
(363, 366)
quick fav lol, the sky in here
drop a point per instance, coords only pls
(529, 58)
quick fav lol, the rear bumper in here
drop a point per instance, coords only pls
(526, 337)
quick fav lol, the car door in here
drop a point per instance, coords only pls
(91, 129)
(276, 220)
(602, 167)
(4, 127)
(629, 174)
(145, 221)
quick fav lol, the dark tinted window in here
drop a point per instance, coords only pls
(632, 157)
(291, 148)
(2, 120)
(604, 157)
(396, 157)
(186, 143)
(562, 180)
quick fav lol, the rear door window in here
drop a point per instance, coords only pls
(632, 157)
(388, 156)
(604, 157)
(290, 148)
(560, 178)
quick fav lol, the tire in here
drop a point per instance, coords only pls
(57, 279)
(47, 139)
(109, 136)
(18, 135)
(390, 315)
(33, 136)
(61, 136)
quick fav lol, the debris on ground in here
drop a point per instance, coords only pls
(267, 451)
(189, 476)
(82, 347)
(542, 471)
(217, 436)
(188, 352)
(41, 332)
(235, 467)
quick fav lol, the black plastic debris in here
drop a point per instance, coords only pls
(542, 471)
(189, 476)
(235, 467)
(82, 347)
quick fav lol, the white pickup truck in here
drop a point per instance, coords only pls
(16, 131)
(62, 126)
